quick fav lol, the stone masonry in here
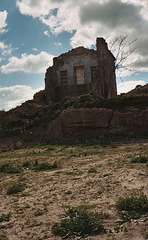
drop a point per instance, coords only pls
(81, 71)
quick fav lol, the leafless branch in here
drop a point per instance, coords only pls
(122, 45)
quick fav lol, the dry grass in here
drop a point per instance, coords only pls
(93, 175)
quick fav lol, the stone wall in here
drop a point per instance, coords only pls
(79, 57)
(106, 66)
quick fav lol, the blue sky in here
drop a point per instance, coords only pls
(32, 32)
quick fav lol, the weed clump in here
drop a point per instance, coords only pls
(45, 166)
(16, 188)
(27, 164)
(5, 217)
(9, 168)
(132, 207)
(140, 159)
(78, 222)
(38, 213)
(92, 170)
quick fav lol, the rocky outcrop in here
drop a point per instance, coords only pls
(34, 123)
(86, 122)
(130, 121)
(86, 117)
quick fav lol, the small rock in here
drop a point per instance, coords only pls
(141, 220)
(18, 145)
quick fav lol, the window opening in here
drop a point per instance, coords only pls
(79, 71)
(94, 74)
(63, 75)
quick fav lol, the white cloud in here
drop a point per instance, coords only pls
(5, 49)
(35, 49)
(35, 8)
(47, 33)
(3, 24)
(82, 36)
(11, 97)
(2, 45)
(28, 63)
(127, 86)
(63, 21)
(91, 18)
(58, 43)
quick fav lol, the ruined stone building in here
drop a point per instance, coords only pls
(82, 71)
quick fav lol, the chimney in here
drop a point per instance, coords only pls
(101, 44)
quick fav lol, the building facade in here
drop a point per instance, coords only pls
(82, 71)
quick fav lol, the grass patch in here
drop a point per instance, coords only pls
(132, 207)
(27, 164)
(16, 188)
(140, 159)
(5, 217)
(74, 173)
(146, 235)
(45, 166)
(92, 170)
(9, 168)
(78, 222)
(38, 213)
(22, 179)
(32, 151)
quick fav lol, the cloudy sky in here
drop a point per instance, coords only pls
(32, 32)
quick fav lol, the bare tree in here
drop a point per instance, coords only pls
(122, 48)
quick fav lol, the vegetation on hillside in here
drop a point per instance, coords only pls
(16, 122)
(78, 222)
(132, 207)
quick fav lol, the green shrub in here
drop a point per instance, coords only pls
(78, 222)
(27, 164)
(16, 188)
(45, 166)
(140, 159)
(9, 168)
(86, 97)
(56, 113)
(36, 162)
(50, 149)
(56, 106)
(132, 207)
(146, 235)
(86, 101)
(21, 179)
(92, 170)
(5, 217)
(38, 213)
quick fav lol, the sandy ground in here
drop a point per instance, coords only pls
(95, 176)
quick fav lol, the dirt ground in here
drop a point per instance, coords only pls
(91, 175)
